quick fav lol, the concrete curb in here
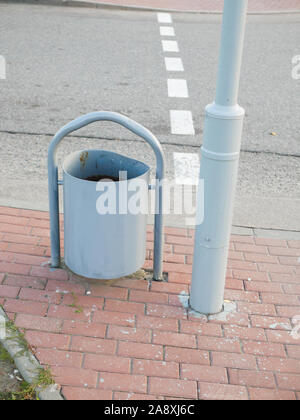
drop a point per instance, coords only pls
(99, 5)
(257, 231)
(27, 365)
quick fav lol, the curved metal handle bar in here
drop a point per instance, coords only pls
(135, 128)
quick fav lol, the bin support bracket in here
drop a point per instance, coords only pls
(53, 181)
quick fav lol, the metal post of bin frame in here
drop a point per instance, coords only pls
(53, 182)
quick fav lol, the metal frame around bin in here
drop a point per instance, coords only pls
(53, 181)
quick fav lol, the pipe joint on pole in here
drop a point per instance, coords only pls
(219, 167)
(234, 112)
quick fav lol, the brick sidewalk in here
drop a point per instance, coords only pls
(205, 5)
(119, 341)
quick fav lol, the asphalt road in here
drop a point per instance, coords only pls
(64, 62)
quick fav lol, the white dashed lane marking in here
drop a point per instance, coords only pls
(174, 64)
(182, 122)
(177, 88)
(164, 18)
(167, 31)
(170, 46)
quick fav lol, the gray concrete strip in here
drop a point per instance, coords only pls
(241, 230)
(178, 221)
(277, 234)
(27, 364)
(266, 192)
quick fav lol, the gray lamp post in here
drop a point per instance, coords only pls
(219, 167)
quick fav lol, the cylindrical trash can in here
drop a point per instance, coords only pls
(105, 214)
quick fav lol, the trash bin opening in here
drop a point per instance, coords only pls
(100, 165)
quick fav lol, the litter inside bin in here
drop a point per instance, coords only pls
(103, 178)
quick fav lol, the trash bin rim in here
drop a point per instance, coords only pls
(147, 168)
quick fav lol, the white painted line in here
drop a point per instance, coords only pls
(167, 31)
(173, 64)
(177, 88)
(170, 46)
(164, 18)
(186, 168)
(182, 123)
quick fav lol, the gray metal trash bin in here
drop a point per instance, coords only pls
(103, 245)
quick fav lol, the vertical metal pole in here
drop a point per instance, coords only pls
(53, 208)
(159, 224)
(219, 167)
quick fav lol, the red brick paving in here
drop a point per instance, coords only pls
(205, 5)
(124, 342)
